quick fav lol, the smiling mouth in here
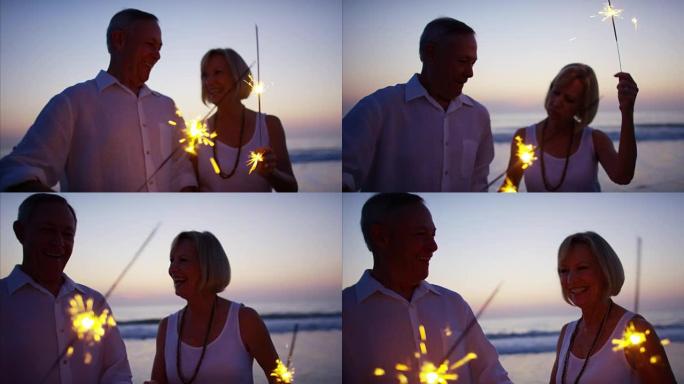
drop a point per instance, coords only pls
(576, 291)
(177, 282)
(54, 255)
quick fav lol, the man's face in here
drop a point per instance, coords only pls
(451, 64)
(47, 237)
(408, 243)
(140, 50)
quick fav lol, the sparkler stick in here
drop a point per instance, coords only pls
(292, 344)
(609, 11)
(83, 317)
(612, 19)
(472, 322)
(638, 276)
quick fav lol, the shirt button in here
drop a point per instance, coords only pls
(148, 152)
(446, 173)
(64, 362)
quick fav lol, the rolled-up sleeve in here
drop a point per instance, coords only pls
(360, 132)
(43, 152)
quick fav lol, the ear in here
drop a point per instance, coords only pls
(18, 231)
(118, 38)
(429, 52)
(379, 236)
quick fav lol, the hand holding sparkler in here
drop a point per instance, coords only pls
(644, 351)
(627, 92)
(263, 160)
(522, 157)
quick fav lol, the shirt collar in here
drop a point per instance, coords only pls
(414, 89)
(367, 286)
(105, 79)
(18, 278)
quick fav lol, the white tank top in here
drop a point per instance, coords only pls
(241, 181)
(582, 173)
(225, 361)
(604, 366)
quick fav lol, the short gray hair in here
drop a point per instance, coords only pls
(379, 207)
(122, 20)
(212, 259)
(237, 66)
(605, 256)
(29, 205)
(438, 29)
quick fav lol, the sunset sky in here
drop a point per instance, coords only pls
(487, 239)
(280, 247)
(47, 46)
(521, 46)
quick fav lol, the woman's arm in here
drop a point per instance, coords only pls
(558, 346)
(620, 165)
(276, 167)
(651, 365)
(514, 171)
(159, 365)
(257, 340)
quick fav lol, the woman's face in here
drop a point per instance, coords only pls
(217, 79)
(184, 269)
(565, 100)
(581, 277)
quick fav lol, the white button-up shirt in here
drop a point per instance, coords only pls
(400, 139)
(100, 136)
(35, 328)
(380, 329)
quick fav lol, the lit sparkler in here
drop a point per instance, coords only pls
(282, 373)
(196, 133)
(635, 22)
(508, 187)
(88, 325)
(254, 159)
(632, 338)
(526, 154)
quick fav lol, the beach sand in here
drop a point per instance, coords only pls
(316, 358)
(659, 168)
(535, 368)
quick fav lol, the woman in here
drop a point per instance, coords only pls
(210, 340)
(590, 273)
(225, 83)
(568, 149)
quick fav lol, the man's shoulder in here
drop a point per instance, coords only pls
(90, 293)
(448, 294)
(475, 104)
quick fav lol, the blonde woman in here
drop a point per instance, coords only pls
(239, 131)
(568, 150)
(210, 340)
(590, 273)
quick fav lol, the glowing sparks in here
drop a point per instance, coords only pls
(254, 159)
(635, 22)
(196, 133)
(282, 373)
(70, 351)
(630, 338)
(429, 373)
(508, 187)
(258, 87)
(88, 358)
(609, 11)
(525, 152)
(665, 341)
(654, 359)
(87, 325)
(215, 165)
(447, 331)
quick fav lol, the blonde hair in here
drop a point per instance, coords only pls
(590, 99)
(606, 257)
(237, 67)
(212, 259)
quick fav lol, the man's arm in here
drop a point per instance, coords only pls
(115, 367)
(38, 161)
(486, 368)
(485, 155)
(360, 131)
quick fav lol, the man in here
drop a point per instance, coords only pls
(383, 312)
(35, 323)
(424, 135)
(108, 134)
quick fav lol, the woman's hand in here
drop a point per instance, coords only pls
(627, 91)
(265, 168)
